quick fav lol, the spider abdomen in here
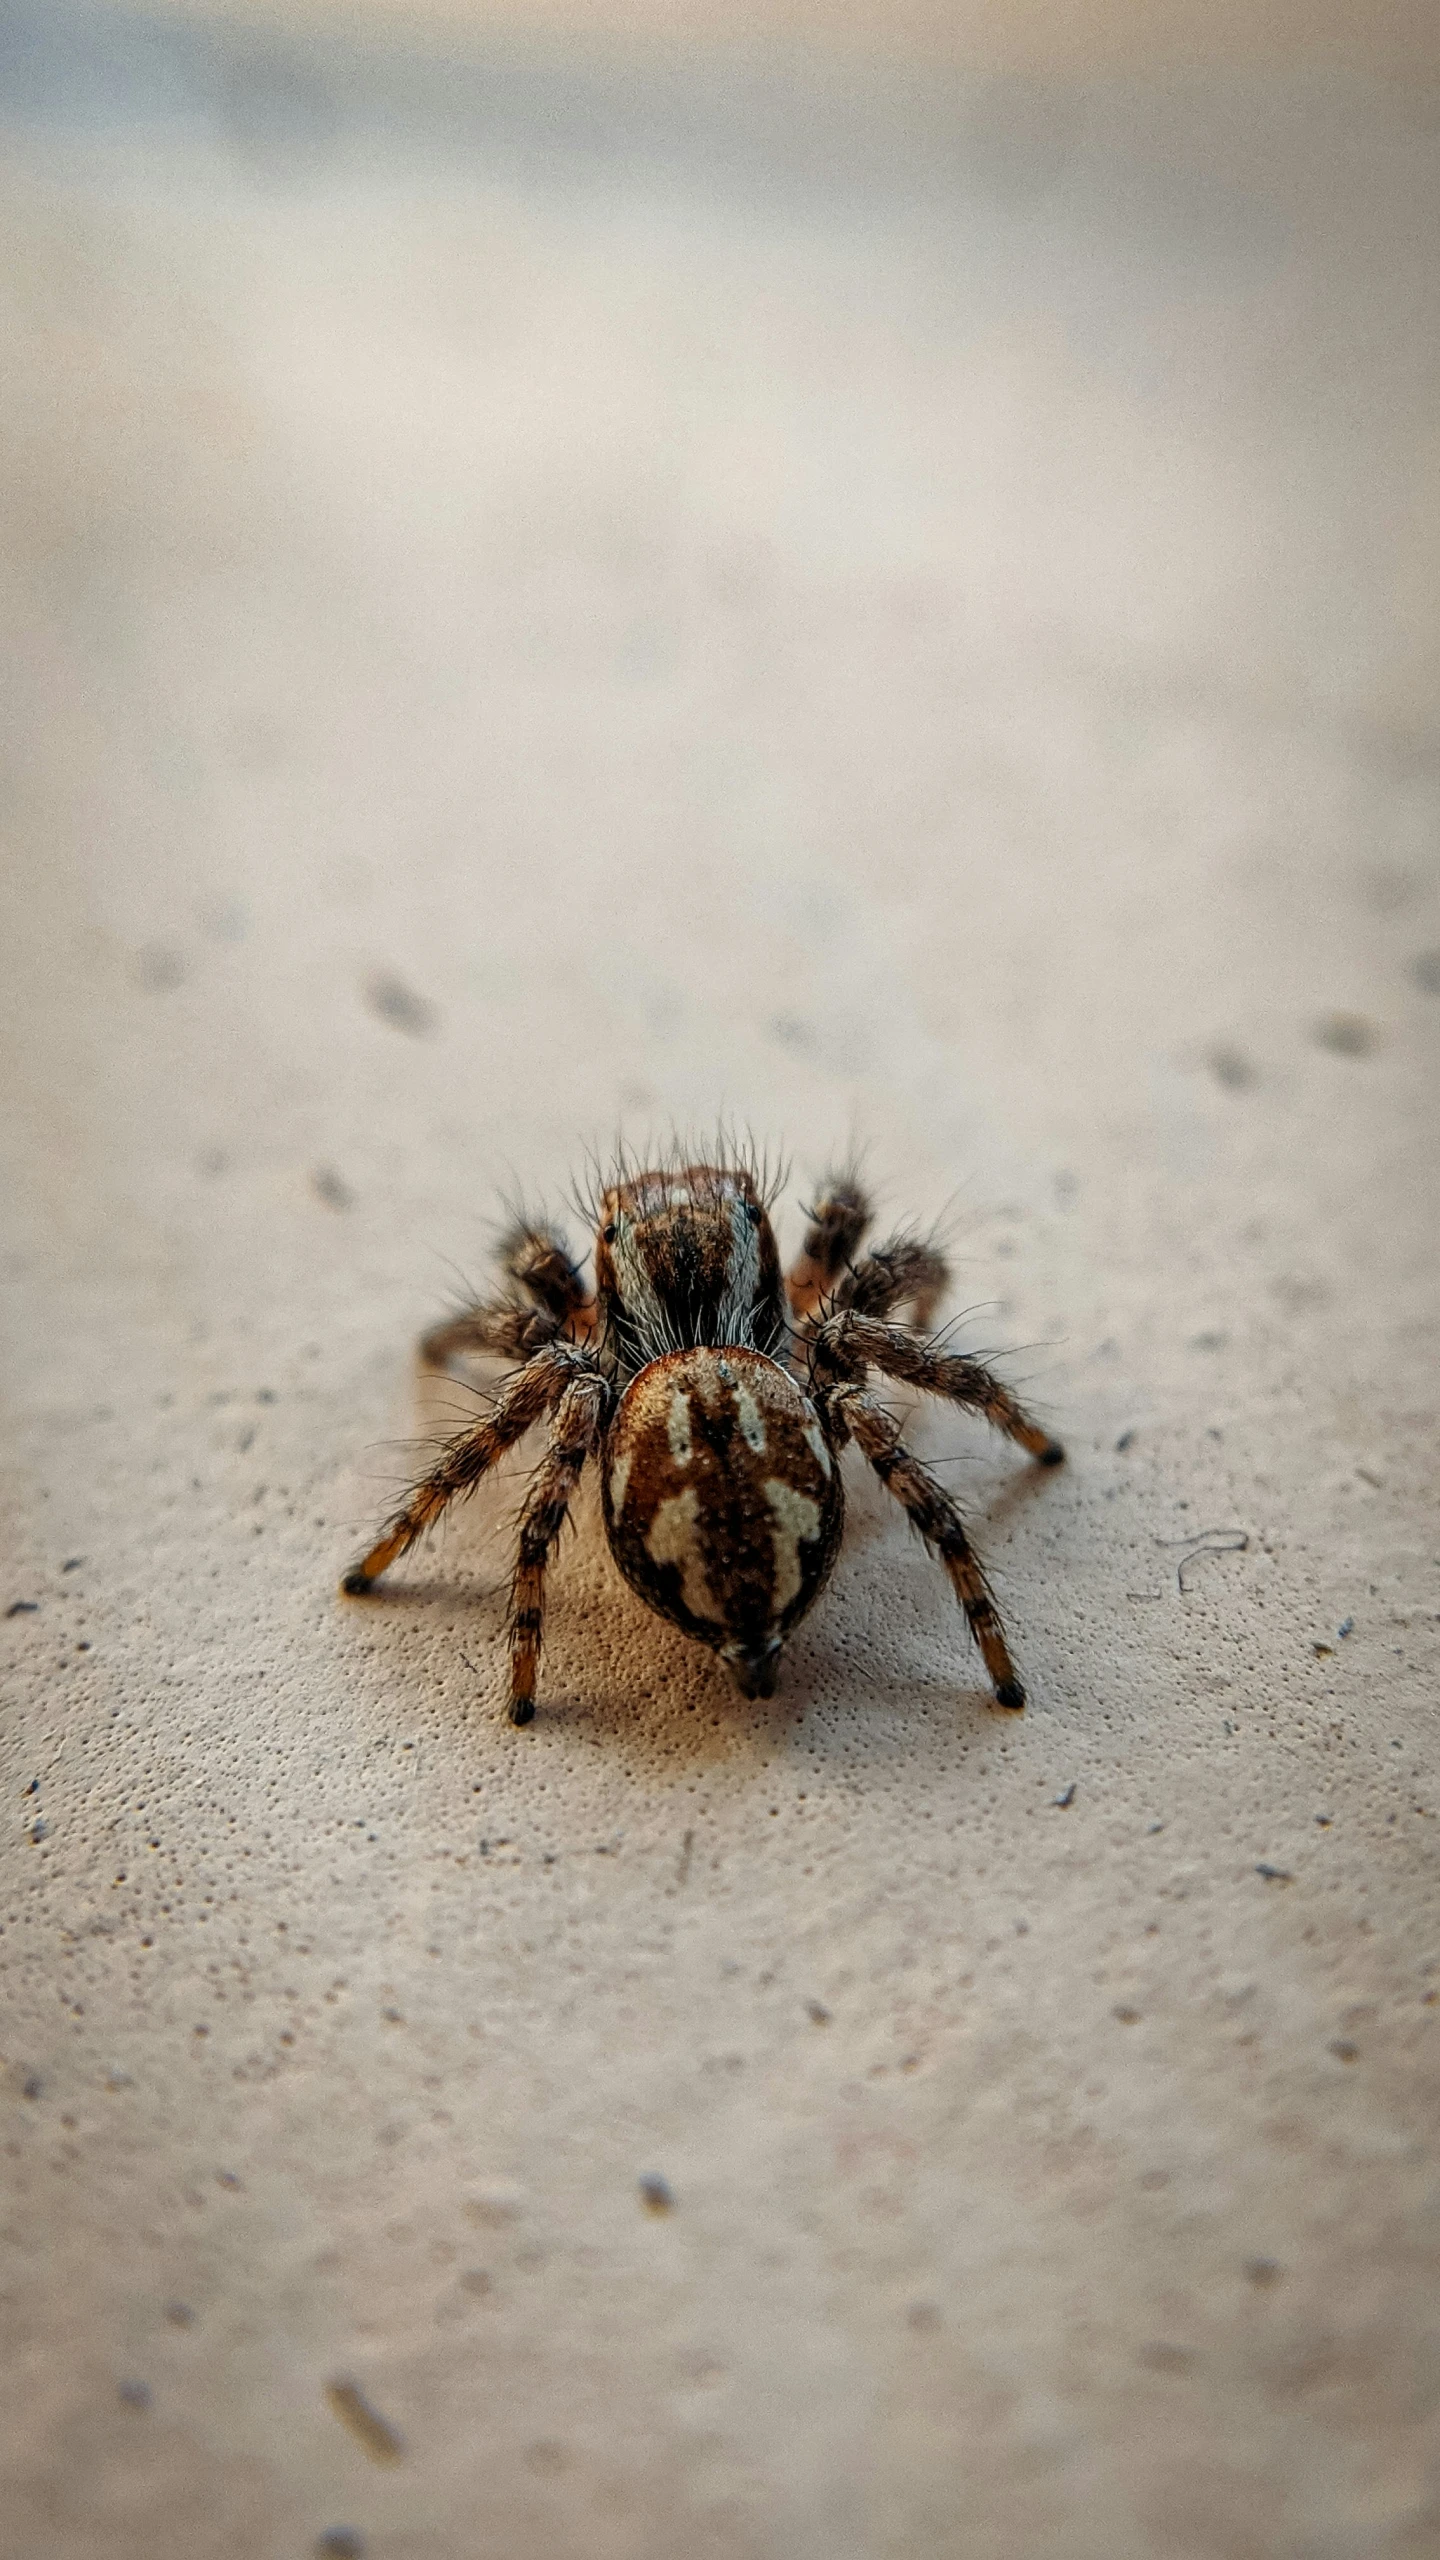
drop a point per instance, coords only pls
(722, 1501)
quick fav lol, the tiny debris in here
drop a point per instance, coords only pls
(136, 2395)
(371, 2431)
(1346, 1035)
(179, 2315)
(32, 2087)
(1324, 1820)
(1066, 1798)
(656, 2194)
(1124, 1440)
(1127, 2016)
(72, 1564)
(682, 1868)
(226, 2178)
(1343, 2049)
(1205, 1542)
(399, 1005)
(22, 1608)
(1262, 2271)
(1322, 1651)
(817, 2013)
(339, 2542)
(1274, 1875)
(1345, 1628)
(923, 2316)
(1210, 1340)
(1163, 2356)
(328, 1186)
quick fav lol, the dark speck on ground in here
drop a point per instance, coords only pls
(1232, 1068)
(399, 1005)
(1346, 1035)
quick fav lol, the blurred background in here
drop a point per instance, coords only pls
(874, 570)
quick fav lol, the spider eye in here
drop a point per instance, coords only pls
(607, 1234)
(754, 1212)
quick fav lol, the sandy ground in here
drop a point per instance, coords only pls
(535, 603)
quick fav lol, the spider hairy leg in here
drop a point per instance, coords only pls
(935, 1515)
(851, 1343)
(465, 1459)
(579, 1418)
(841, 1214)
(505, 1332)
(538, 1262)
(909, 1272)
(548, 1297)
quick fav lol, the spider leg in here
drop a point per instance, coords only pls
(579, 1418)
(909, 1272)
(841, 1214)
(506, 1331)
(849, 1411)
(464, 1460)
(547, 1297)
(538, 1263)
(848, 1344)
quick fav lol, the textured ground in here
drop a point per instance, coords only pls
(534, 602)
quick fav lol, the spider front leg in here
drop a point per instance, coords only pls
(548, 1297)
(838, 1220)
(579, 1420)
(849, 1344)
(908, 1271)
(465, 1459)
(847, 1411)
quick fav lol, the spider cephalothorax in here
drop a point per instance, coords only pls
(717, 1400)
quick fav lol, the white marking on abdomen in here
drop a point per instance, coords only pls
(752, 1425)
(816, 1438)
(796, 1517)
(678, 1427)
(671, 1539)
(619, 1479)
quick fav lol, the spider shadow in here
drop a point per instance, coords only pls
(621, 1678)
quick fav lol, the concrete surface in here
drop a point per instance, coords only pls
(537, 602)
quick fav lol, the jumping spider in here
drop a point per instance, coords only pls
(717, 1399)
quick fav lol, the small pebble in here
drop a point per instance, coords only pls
(656, 2194)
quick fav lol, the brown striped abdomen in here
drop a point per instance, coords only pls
(722, 1502)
